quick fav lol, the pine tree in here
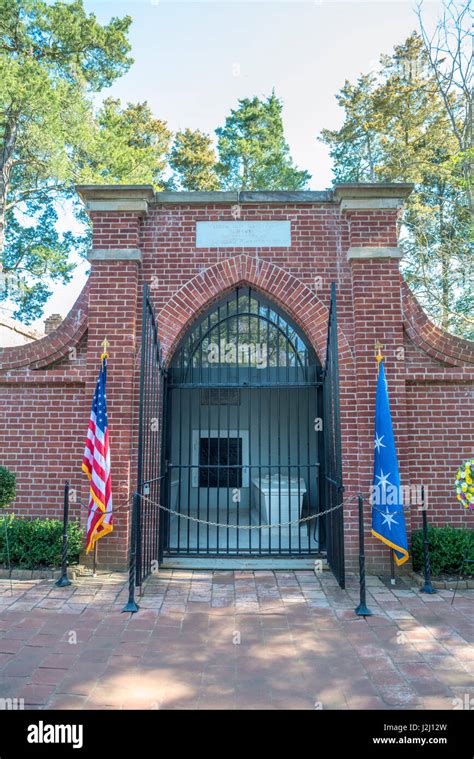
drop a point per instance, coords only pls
(193, 160)
(130, 146)
(397, 129)
(53, 57)
(253, 152)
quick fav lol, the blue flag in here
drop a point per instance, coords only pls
(388, 518)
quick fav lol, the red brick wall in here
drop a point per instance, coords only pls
(115, 230)
(378, 317)
(439, 421)
(171, 259)
(41, 440)
(372, 304)
(440, 398)
(112, 315)
(372, 228)
(42, 410)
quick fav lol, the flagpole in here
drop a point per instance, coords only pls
(94, 567)
(392, 568)
(105, 344)
(379, 357)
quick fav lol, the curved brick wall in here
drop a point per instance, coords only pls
(42, 412)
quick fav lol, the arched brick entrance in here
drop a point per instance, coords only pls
(289, 293)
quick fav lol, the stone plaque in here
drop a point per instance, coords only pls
(243, 234)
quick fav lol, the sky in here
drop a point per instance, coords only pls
(195, 59)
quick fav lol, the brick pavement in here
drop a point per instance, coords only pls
(227, 640)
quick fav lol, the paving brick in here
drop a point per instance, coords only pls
(294, 659)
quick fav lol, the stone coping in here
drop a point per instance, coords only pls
(134, 197)
(360, 190)
(356, 253)
(115, 254)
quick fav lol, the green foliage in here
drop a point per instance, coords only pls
(62, 38)
(193, 161)
(130, 146)
(7, 486)
(448, 547)
(36, 256)
(53, 57)
(398, 128)
(253, 152)
(35, 543)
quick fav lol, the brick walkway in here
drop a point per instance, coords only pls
(234, 640)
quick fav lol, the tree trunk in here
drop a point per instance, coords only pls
(371, 160)
(6, 163)
(445, 261)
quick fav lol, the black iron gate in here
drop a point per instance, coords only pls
(333, 487)
(151, 464)
(242, 444)
(230, 435)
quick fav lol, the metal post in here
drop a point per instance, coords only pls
(427, 587)
(7, 546)
(362, 610)
(392, 568)
(94, 567)
(465, 560)
(131, 605)
(64, 580)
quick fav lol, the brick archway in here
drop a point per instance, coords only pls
(288, 292)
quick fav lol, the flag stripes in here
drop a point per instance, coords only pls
(96, 465)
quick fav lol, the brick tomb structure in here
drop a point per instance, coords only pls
(195, 250)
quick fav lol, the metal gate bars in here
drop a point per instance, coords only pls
(333, 487)
(150, 471)
(242, 444)
(231, 440)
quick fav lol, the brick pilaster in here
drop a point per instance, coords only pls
(373, 257)
(116, 260)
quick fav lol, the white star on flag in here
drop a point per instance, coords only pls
(378, 442)
(384, 481)
(389, 519)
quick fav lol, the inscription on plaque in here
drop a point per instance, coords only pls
(243, 234)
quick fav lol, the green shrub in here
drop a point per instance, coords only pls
(7, 486)
(35, 543)
(448, 547)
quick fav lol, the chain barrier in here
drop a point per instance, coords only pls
(125, 504)
(226, 526)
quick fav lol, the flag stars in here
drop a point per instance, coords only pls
(383, 479)
(388, 519)
(378, 442)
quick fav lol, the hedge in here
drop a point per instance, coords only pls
(37, 543)
(7, 486)
(448, 547)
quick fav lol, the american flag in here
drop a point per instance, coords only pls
(96, 464)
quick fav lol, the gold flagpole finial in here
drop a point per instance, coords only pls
(105, 344)
(378, 352)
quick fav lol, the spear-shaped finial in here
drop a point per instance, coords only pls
(105, 344)
(378, 351)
